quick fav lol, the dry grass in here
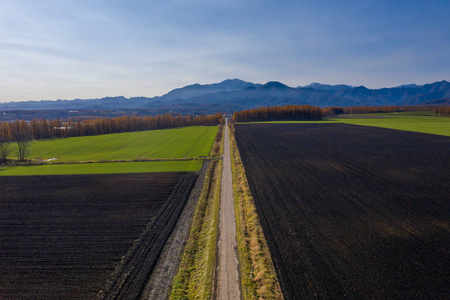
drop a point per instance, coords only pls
(258, 276)
(217, 148)
(195, 276)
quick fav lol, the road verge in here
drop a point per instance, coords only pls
(196, 274)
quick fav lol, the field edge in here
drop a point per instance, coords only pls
(257, 272)
(130, 276)
(104, 168)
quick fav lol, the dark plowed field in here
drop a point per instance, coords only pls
(350, 211)
(61, 237)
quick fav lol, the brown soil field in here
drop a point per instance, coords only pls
(65, 237)
(352, 212)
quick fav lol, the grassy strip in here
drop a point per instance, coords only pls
(103, 168)
(195, 276)
(258, 276)
(30, 162)
(283, 122)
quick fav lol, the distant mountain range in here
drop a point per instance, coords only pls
(235, 94)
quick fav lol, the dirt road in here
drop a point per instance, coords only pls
(227, 270)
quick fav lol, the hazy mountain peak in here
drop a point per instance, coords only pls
(274, 85)
(327, 87)
(407, 86)
(197, 89)
(234, 84)
(234, 80)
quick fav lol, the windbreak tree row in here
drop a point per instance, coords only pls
(312, 113)
(336, 110)
(278, 113)
(443, 111)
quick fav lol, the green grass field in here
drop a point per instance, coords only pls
(168, 143)
(418, 122)
(103, 168)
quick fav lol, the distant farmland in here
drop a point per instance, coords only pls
(61, 237)
(167, 143)
(410, 121)
(352, 211)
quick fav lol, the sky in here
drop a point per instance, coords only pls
(67, 49)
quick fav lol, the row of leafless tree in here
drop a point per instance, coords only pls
(442, 111)
(330, 111)
(307, 112)
(278, 113)
(23, 132)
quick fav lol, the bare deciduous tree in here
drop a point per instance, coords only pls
(4, 149)
(5, 143)
(22, 136)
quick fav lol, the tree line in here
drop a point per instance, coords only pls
(307, 112)
(442, 111)
(23, 132)
(279, 113)
(336, 110)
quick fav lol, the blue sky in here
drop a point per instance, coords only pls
(87, 49)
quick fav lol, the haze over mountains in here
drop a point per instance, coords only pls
(235, 94)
